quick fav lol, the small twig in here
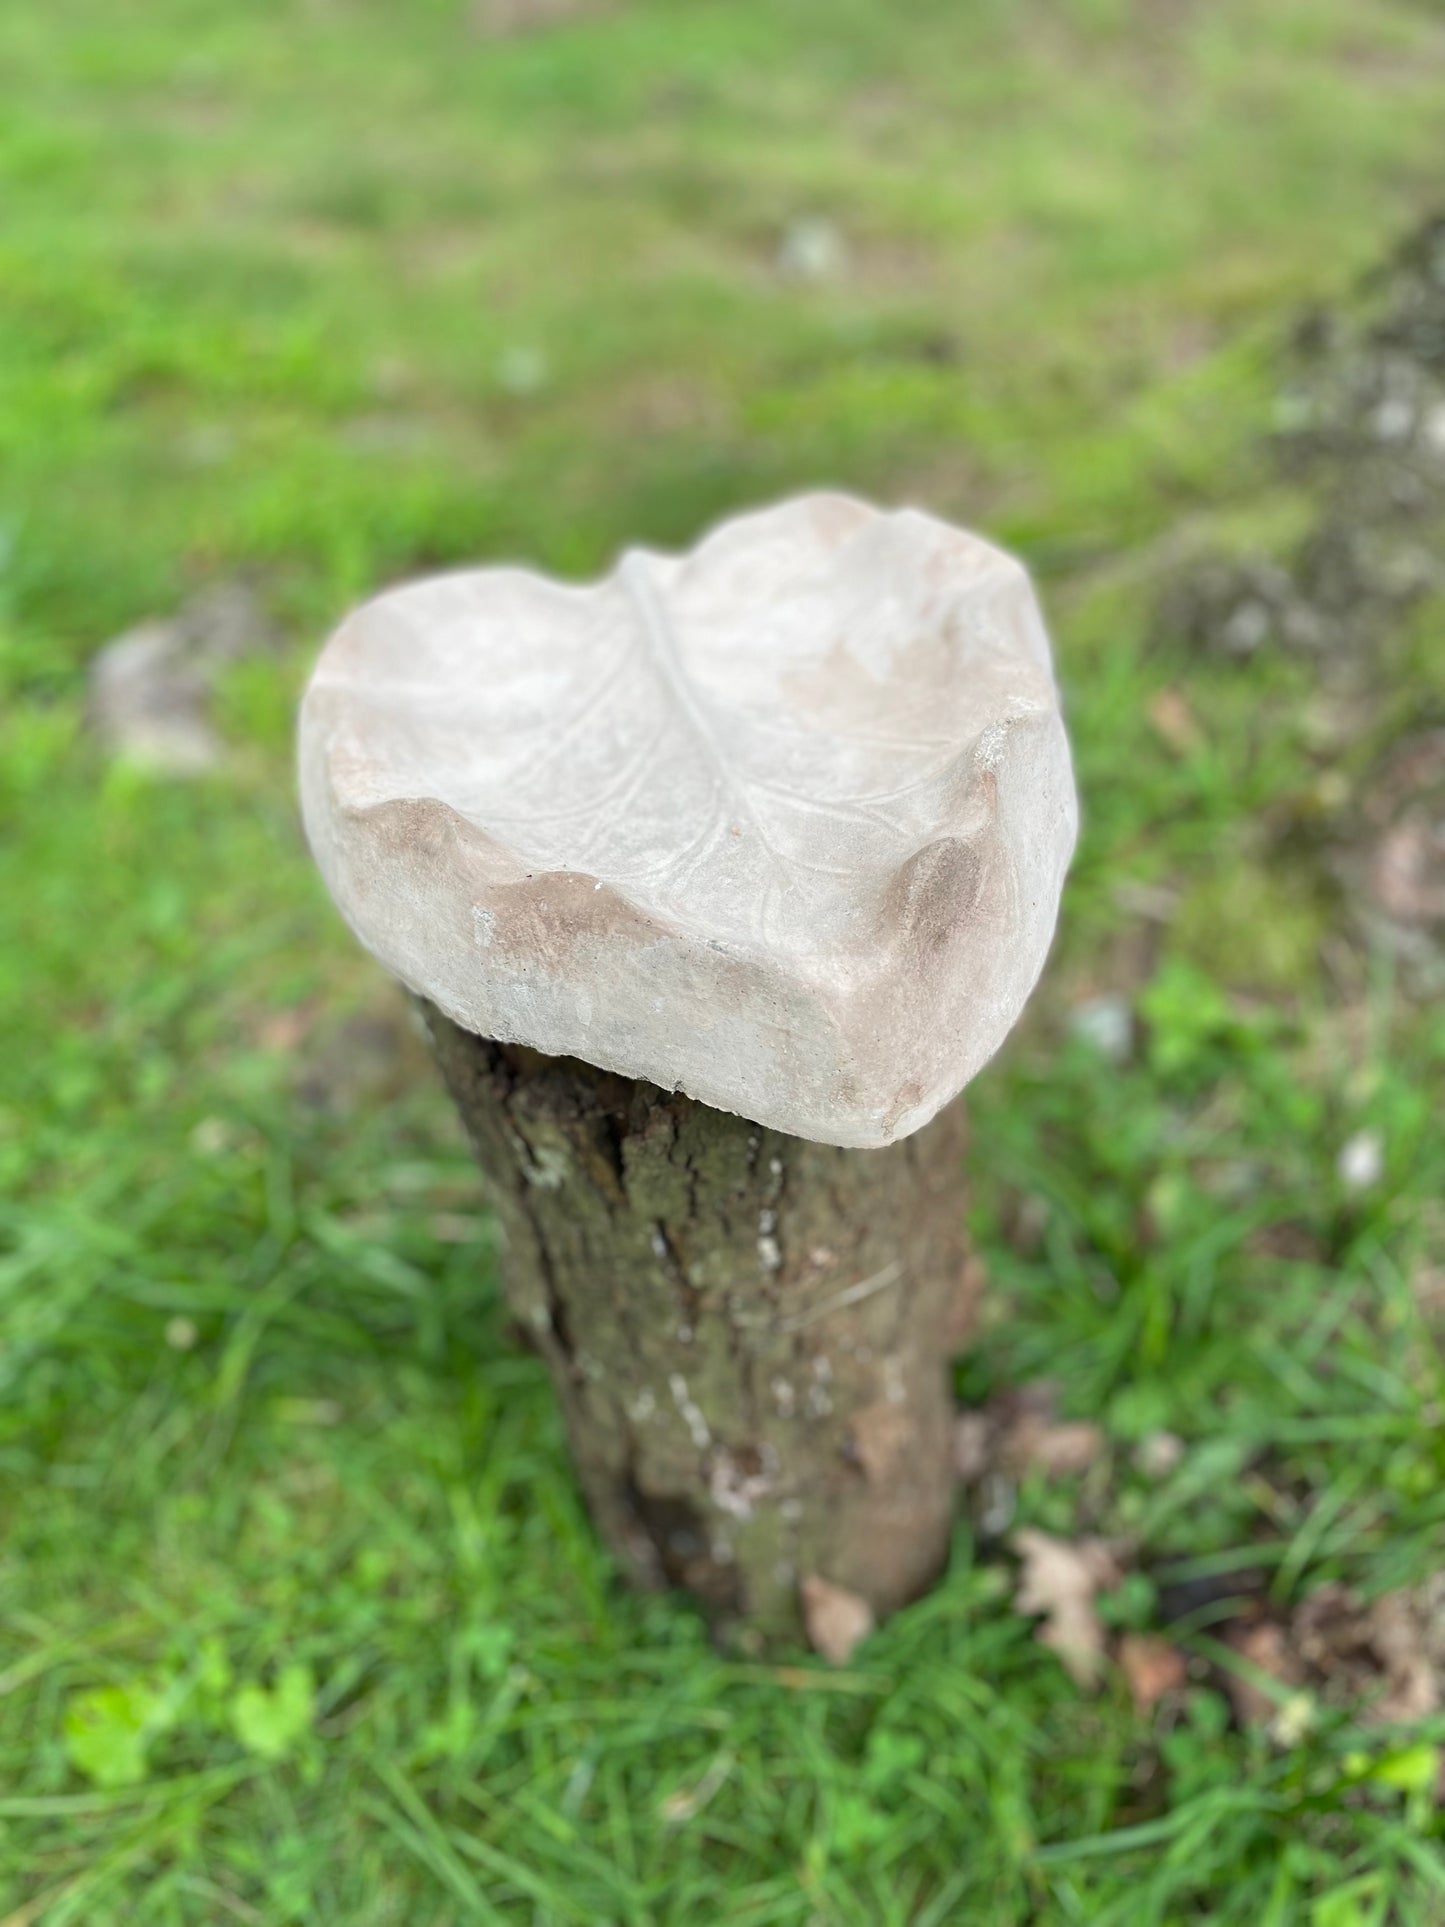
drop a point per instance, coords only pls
(688, 1802)
(853, 1295)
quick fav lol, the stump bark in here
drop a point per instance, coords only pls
(749, 1333)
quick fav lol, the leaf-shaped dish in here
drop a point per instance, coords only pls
(781, 823)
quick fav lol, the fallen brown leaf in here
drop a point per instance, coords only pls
(1018, 1433)
(1174, 723)
(972, 1445)
(836, 1620)
(1389, 1654)
(1055, 1450)
(1060, 1579)
(1384, 1659)
(1265, 1648)
(1151, 1668)
(1410, 1642)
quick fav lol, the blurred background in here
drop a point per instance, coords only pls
(300, 1618)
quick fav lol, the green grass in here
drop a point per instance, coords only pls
(300, 1619)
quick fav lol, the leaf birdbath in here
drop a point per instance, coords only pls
(717, 880)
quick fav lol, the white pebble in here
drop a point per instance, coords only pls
(1361, 1163)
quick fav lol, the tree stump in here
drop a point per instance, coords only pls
(749, 1333)
(780, 823)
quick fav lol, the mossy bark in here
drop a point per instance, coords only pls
(749, 1334)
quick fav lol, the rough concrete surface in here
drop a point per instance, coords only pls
(781, 823)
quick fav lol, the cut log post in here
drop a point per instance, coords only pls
(749, 1333)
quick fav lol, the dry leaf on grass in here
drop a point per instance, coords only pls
(1019, 1432)
(1056, 1450)
(1061, 1579)
(972, 1446)
(1384, 1659)
(1151, 1668)
(836, 1620)
(1389, 1654)
(1265, 1648)
(1410, 1643)
(1174, 722)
